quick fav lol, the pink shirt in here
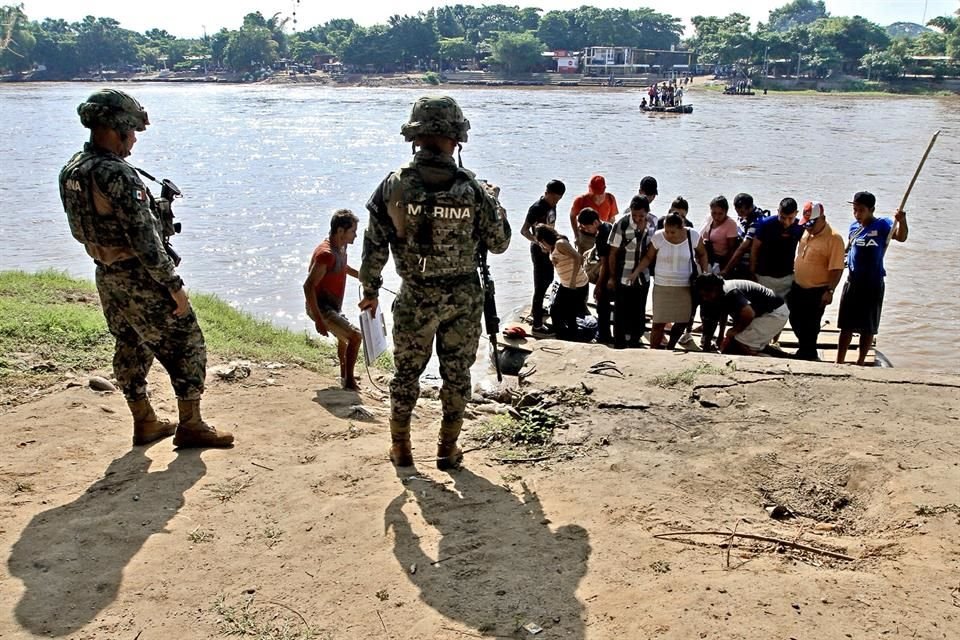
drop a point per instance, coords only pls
(720, 236)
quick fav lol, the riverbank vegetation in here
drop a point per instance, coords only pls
(51, 325)
(799, 38)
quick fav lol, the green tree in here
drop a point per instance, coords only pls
(456, 49)
(56, 47)
(884, 65)
(251, 47)
(852, 37)
(101, 42)
(723, 40)
(412, 39)
(556, 31)
(517, 52)
(369, 46)
(304, 51)
(16, 39)
(950, 27)
(796, 13)
(931, 43)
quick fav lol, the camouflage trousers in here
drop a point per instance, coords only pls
(450, 312)
(139, 313)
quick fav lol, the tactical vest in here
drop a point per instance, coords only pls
(89, 210)
(439, 235)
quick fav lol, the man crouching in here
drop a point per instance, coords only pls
(758, 314)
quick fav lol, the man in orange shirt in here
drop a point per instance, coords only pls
(817, 271)
(324, 289)
(600, 201)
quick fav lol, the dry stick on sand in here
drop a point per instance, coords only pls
(750, 536)
(290, 609)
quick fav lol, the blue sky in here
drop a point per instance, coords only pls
(188, 18)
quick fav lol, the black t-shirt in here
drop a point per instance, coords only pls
(603, 239)
(541, 212)
(739, 293)
(778, 247)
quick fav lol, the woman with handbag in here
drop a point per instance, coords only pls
(680, 257)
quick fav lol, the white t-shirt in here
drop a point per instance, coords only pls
(674, 261)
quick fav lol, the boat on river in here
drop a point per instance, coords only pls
(685, 108)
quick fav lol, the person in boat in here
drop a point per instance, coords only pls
(598, 198)
(543, 211)
(324, 289)
(774, 248)
(738, 267)
(629, 241)
(862, 298)
(643, 104)
(721, 235)
(571, 299)
(680, 255)
(596, 267)
(817, 272)
(758, 314)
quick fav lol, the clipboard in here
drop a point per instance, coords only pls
(373, 329)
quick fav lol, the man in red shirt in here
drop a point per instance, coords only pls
(324, 289)
(600, 201)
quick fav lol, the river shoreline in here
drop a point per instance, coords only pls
(856, 87)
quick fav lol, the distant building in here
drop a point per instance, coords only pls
(603, 61)
(565, 61)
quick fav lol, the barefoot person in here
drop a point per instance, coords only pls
(862, 297)
(324, 288)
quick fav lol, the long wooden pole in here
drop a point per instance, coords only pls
(916, 173)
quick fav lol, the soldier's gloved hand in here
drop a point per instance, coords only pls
(183, 302)
(369, 304)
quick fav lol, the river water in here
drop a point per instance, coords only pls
(262, 168)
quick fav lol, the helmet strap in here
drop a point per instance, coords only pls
(459, 159)
(413, 147)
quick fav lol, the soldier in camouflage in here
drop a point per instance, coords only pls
(433, 215)
(115, 217)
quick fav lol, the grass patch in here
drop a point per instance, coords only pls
(265, 621)
(529, 436)
(52, 324)
(199, 536)
(687, 376)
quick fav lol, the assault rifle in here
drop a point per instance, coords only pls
(490, 320)
(169, 228)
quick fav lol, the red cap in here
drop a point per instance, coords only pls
(598, 184)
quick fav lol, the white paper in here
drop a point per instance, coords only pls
(373, 328)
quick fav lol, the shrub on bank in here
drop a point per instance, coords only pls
(51, 323)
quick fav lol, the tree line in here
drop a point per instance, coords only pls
(509, 37)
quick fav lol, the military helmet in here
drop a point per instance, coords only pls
(438, 116)
(113, 109)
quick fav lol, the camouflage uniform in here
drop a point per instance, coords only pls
(113, 214)
(109, 207)
(433, 215)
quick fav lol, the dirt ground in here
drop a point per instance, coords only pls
(306, 523)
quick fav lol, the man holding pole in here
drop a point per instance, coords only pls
(862, 298)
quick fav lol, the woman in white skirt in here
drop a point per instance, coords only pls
(680, 257)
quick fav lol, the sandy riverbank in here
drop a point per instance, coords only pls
(306, 523)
